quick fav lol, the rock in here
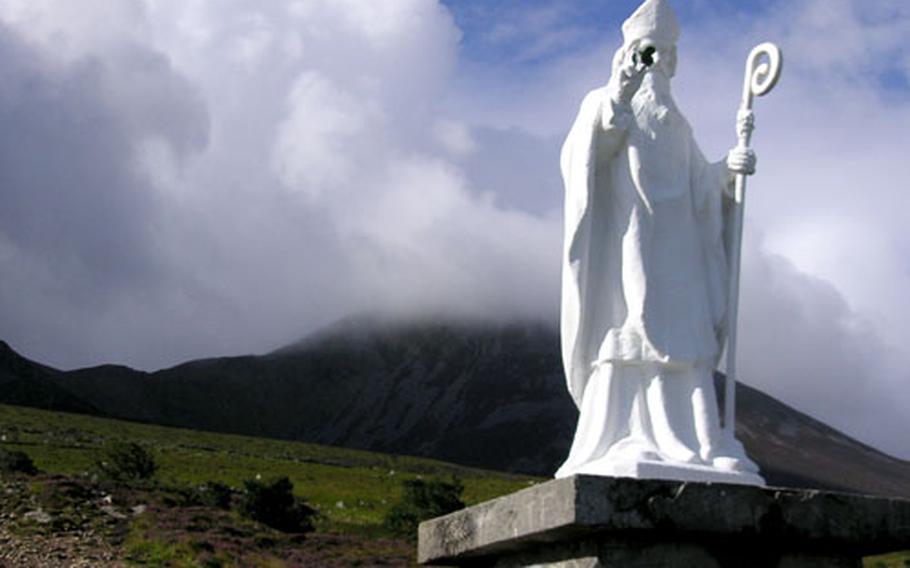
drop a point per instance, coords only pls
(628, 522)
(112, 512)
(39, 516)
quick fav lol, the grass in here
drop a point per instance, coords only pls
(352, 489)
(896, 560)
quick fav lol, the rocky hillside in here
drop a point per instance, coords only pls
(488, 395)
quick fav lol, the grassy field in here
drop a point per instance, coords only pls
(352, 489)
(897, 560)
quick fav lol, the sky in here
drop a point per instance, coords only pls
(193, 178)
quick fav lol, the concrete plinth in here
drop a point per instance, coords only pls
(588, 521)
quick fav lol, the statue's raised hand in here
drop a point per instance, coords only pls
(627, 76)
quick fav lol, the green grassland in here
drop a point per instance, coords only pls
(352, 489)
(897, 560)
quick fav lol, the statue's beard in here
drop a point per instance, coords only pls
(653, 104)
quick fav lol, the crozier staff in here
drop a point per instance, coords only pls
(761, 77)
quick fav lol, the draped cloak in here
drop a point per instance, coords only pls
(644, 264)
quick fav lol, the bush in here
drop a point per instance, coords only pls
(126, 461)
(14, 461)
(423, 500)
(274, 504)
(213, 494)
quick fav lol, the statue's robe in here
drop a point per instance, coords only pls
(644, 265)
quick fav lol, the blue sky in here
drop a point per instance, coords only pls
(506, 32)
(525, 34)
(211, 178)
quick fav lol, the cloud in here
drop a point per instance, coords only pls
(317, 144)
(803, 343)
(266, 169)
(197, 178)
(78, 223)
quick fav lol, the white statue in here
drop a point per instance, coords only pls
(645, 276)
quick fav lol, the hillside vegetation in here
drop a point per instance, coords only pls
(366, 483)
(68, 514)
(351, 490)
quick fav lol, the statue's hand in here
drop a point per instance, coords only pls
(627, 75)
(741, 161)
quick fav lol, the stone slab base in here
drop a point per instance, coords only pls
(664, 470)
(588, 521)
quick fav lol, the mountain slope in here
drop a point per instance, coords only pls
(486, 395)
(25, 383)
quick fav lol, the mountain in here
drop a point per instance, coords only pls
(25, 383)
(481, 394)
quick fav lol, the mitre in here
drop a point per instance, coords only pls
(654, 19)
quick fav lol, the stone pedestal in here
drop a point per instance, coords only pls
(587, 521)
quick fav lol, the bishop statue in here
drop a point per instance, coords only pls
(645, 274)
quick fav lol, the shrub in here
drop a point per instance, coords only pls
(273, 504)
(213, 494)
(14, 461)
(126, 461)
(422, 500)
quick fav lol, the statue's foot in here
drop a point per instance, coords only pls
(732, 457)
(735, 465)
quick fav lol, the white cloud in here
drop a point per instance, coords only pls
(454, 136)
(69, 30)
(197, 178)
(302, 164)
(316, 146)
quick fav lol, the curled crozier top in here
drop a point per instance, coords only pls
(763, 68)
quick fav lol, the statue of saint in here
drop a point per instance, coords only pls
(644, 274)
